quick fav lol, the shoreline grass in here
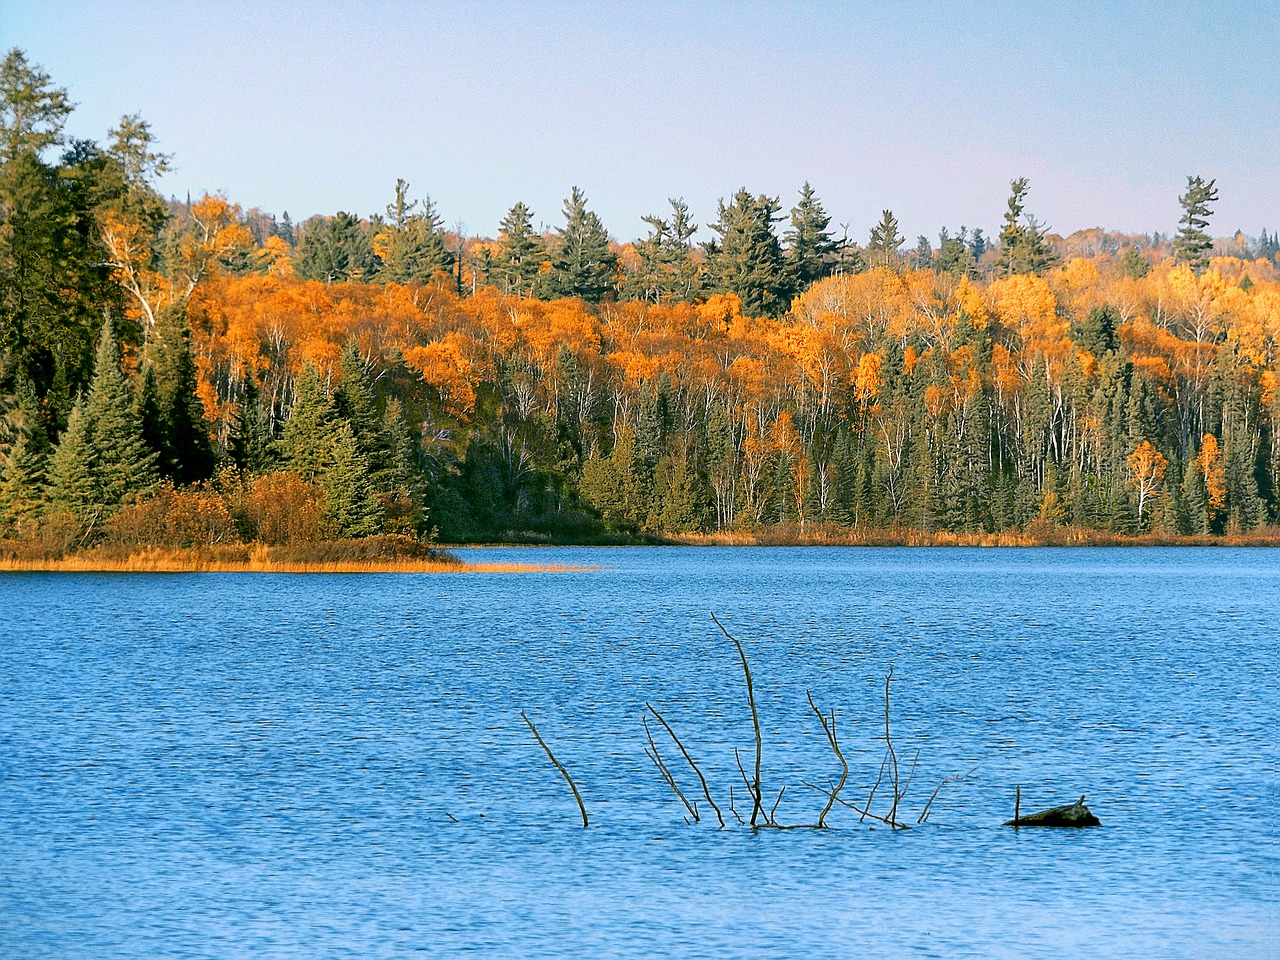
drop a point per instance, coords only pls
(258, 558)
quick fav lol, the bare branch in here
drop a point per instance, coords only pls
(559, 766)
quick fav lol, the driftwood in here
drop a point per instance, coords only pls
(1072, 815)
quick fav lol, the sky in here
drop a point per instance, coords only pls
(925, 108)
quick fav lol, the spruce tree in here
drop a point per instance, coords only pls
(411, 245)
(307, 438)
(355, 402)
(519, 255)
(124, 465)
(186, 451)
(351, 509)
(24, 467)
(1192, 244)
(72, 481)
(249, 446)
(582, 265)
(748, 260)
(882, 248)
(811, 246)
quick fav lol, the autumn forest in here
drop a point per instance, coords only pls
(188, 373)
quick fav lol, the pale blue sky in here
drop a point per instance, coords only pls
(926, 108)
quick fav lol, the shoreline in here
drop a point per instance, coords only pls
(444, 559)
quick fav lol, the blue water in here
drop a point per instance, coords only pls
(228, 765)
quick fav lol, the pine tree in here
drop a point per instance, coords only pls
(73, 486)
(811, 246)
(335, 249)
(411, 244)
(667, 269)
(351, 508)
(882, 249)
(124, 466)
(186, 451)
(1024, 248)
(307, 438)
(1192, 244)
(32, 110)
(582, 265)
(747, 260)
(520, 253)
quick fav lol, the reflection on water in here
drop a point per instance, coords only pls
(252, 765)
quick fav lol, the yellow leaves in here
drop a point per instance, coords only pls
(1025, 303)
(722, 311)
(274, 257)
(638, 368)
(1215, 472)
(1146, 466)
(973, 303)
(442, 365)
(867, 380)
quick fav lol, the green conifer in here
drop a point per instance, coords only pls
(124, 466)
(351, 507)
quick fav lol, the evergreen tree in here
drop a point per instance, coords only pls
(582, 265)
(186, 451)
(249, 446)
(882, 249)
(1024, 248)
(747, 260)
(124, 466)
(308, 433)
(411, 244)
(54, 280)
(23, 469)
(1133, 264)
(73, 486)
(955, 255)
(1192, 244)
(335, 249)
(401, 487)
(32, 110)
(811, 246)
(667, 269)
(351, 509)
(355, 401)
(520, 252)
(922, 257)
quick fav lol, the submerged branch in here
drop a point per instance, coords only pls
(756, 792)
(559, 766)
(829, 728)
(706, 792)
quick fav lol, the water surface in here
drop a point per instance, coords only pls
(228, 765)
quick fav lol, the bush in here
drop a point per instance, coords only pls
(281, 508)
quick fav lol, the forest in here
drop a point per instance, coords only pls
(186, 373)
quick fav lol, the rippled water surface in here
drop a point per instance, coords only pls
(228, 765)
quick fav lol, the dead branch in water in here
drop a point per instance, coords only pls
(954, 778)
(756, 808)
(829, 728)
(559, 766)
(864, 813)
(893, 756)
(706, 792)
(651, 751)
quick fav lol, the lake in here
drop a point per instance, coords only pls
(255, 765)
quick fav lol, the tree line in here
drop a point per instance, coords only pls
(188, 372)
